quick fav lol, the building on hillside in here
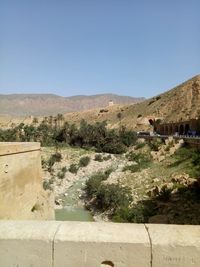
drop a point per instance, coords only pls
(189, 127)
(110, 103)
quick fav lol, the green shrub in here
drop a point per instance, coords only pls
(64, 169)
(73, 168)
(47, 185)
(113, 147)
(98, 157)
(93, 183)
(139, 145)
(133, 215)
(128, 138)
(108, 172)
(142, 159)
(192, 156)
(132, 168)
(113, 196)
(155, 144)
(54, 158)
(61, 175)
(44, 163)
(84, 161)
(139, 213)
(107, 157)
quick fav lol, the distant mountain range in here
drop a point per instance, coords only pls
(49, 104)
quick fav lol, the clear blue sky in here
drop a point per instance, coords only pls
(71, 47)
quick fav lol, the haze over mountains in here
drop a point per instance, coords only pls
(49, 104)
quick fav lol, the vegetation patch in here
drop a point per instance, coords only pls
(73, 168)
(84, 161)
(87, 135)
(107, 197)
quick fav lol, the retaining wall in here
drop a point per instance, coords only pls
(21, 192)
(81, 244)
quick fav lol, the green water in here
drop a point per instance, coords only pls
(73, 209)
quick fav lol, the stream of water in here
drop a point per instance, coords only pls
(73, 209)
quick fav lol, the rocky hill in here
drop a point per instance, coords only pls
(48, 104)
(179, 103)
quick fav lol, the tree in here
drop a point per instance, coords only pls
(35, 121)
(60, 119)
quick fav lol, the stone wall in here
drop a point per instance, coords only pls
(80, 244)
(21, 193)
(182, 127)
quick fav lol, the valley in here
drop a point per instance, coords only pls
(158, 184)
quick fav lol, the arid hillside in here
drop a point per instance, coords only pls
(179, 103)
(47, 104)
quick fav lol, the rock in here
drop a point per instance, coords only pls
(153, 192)
(161, 158)
(57, 202)
(159, 219)
(156, 180)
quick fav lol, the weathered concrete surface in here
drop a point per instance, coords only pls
(90, 244)
(27, 244)
(21, 192)
(74, 244)
(7, 148)
(175, 245)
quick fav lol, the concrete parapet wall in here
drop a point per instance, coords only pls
(74, 244)
(21, 193)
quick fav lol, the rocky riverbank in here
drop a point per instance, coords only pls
(163, 185)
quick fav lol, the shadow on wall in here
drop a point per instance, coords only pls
(107, 263)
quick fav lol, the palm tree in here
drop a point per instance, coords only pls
(60, 119)
(35, 120)
(50, 120)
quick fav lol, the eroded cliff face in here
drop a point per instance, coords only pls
(21, 193)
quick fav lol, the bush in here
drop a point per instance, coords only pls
(155, 144)
(61, 175)
(133, 215)
(139, 145)
(54, 158)
(73, 168)
(108, 172)
(128, 138)
(114, 148)
(107, 157)
(84, 161)
(112, 197)
(64, 169)
(98, 157)
(47, 185)
(139, 213)
(44, 163)
(93, 183)
(132, 168)
(142, 159)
